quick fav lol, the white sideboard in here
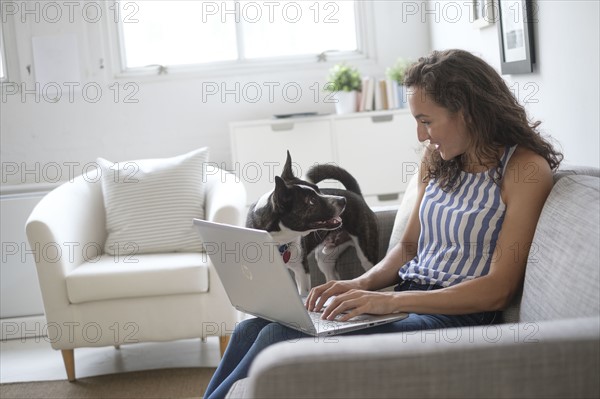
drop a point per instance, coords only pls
(380, 149)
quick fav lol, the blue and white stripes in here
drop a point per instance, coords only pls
(459, 230)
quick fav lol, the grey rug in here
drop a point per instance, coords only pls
(167, 383)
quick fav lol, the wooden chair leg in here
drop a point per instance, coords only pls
(69, 360)
(223, 342)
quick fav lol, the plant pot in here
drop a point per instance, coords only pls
(345, 101)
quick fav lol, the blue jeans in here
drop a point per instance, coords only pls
(251, 336)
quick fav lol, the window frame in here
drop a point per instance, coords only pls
(3, 78)
(364, 54)
(10, 56)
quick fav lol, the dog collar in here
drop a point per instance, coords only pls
(284, 250)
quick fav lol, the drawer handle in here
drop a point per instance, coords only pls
(388, 197)
(382, 118)
(280, 127)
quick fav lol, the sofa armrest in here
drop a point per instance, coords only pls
(545, 359)
(225, 197)
(386, 216)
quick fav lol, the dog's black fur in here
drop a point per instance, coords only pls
(358, 219)
(327, 219)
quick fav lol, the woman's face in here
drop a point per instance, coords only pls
(446, 131)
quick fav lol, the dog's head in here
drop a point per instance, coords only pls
(301, 206)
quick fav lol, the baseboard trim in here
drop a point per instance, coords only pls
(23, 328)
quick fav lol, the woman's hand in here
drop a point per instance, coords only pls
(320, 294)
(357, 302)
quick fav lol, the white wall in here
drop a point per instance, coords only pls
(563, 91)
(171, 115)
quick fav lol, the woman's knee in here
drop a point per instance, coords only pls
(275, 332)
(263, 332)
(249, 329)
(252, 323)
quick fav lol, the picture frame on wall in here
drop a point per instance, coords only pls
(515, 32)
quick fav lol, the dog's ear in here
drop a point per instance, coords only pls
(288, 173)
(281, 195)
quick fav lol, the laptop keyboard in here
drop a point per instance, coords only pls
(316, 318)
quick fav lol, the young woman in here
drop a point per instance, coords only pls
(484, 178)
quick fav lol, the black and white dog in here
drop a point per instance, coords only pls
(302, 218)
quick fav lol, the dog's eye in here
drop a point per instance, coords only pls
(311, 201)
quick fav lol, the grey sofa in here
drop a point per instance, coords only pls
(547, 345)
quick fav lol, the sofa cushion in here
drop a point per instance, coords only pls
(116, 277)
(150, 203)
(570, 170)
(562, 276)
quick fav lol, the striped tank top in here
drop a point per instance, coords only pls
(459, 229)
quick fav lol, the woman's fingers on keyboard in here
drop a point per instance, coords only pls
(314, 303)
(331, 289)
(341, 303)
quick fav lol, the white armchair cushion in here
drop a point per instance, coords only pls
(116, 277)
(150, 203)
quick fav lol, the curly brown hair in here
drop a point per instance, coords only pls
(462, 82)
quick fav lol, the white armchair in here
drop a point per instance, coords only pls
(92, 299)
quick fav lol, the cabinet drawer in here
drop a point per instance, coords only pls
(381, 151)
(259, 151)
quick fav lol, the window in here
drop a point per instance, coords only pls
(176, 33)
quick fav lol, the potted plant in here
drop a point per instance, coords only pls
(396, 73)
(345, 83)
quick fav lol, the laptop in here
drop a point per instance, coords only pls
(257, 281)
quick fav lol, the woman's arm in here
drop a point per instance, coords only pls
(525, 187)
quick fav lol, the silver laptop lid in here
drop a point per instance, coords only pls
(255, 278)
